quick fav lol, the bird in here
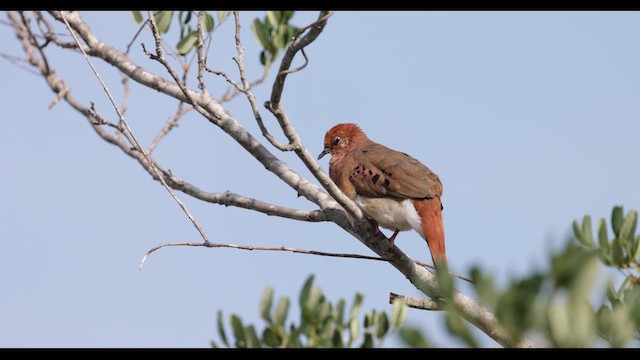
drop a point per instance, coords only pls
(392, 188)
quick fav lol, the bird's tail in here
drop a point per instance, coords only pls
(430, 211)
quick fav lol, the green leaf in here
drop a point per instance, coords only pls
(398, 314)
(281, 311)
(270, 338)
(355, 308)
(578, 233)
(354, 331)
(263, 58)
(458, 327)
(238, 331)
(163, 21)
(636, 249)
(137, 17)
(586, 229)
(617, 217)
(274, 17)
(612, 294)
(265, 304)
(368, 319)
(259, 31)
(291, 32)
(382, 324)
(445, 283)
(628, 228)
(222, 15)
(604, 251)
(208, 22)
(338, 313)
(252, 337)
(314, 300)
(336, 339)
(187, 42)
(616, 253)
(368, 341)
(627, 284)
(602, 234)
(306, 289)
(187, 16)
(414, 338)
(221, 332)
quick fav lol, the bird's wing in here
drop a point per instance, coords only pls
(380, 172)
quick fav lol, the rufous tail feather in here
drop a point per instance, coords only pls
(430, 212)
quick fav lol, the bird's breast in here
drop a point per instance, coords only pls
(390, 213)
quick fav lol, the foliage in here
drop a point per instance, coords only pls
(321, 323)
(273, 32)
(555, 303)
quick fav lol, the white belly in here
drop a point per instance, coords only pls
(391, 214)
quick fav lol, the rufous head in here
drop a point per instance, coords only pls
(340, 137)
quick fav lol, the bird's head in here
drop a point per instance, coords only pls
(340, 138)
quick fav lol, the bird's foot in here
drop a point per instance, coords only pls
(392, 239)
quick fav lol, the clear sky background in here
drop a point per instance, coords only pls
(531, 120)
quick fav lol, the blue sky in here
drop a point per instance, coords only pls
(531, 120)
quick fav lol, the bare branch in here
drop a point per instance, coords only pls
(277, 109)
(291, 71)
(234, 91)
(144, 23)
(169, 125)
(363, 230)
(135, 141)
(246, 89)
(258, 248)
(408, 300)
(226, 198)
(199, 48)
(416, 303)
(19, 62)
(127, 93)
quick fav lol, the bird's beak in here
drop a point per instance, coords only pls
(324, 152)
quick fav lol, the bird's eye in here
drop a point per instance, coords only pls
(336, 140)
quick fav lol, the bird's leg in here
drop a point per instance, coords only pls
(393, 238)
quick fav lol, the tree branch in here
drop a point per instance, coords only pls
(215, 113)
(363, 230)
(246, 89)
(276, 108)
(135, 141)
(416, 303)
(169, 125)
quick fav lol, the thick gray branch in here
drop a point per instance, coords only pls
(217, 113)
(227, 198)
(416, 303)
(362, 229)
(277, 109)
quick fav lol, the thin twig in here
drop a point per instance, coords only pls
(416, 303)
(127, 93)
(199, 52)
(96, 120)
(135, 141)
(285, 249)
(144, 23)
(291, 71)
(277, 109)
(19, 62)
(169, 125)
(233, 91)
(246, 89)
(35, 43)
